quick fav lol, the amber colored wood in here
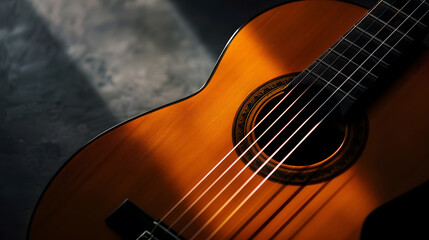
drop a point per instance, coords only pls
(155, 159)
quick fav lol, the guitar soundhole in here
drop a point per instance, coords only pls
(322, 143)
(329, 150)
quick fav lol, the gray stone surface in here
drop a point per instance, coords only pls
(136, 54)
(69, 69)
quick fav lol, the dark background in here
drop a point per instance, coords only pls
(71, 69)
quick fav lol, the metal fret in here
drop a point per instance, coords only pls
(349, 60)
(365, 51)
(405, 14)
(391, 27)
(368, 49)
(379, 40)
(344, 75)
(330, 84)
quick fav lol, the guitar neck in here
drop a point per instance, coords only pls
(360, 57)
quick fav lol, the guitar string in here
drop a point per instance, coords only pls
(238, 158)
(279, 209)
(279, 230)
(283, 160)
(292, 196)
(298, 211)
(279, 163)
(245, 167)
(265, 179)
(223, 159)
(226, 186)
(305, 182)
(260, 209)
(244, 138)
(302, 140)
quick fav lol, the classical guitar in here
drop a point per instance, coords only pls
(316, 114)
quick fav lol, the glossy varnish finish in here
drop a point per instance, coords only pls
(157, 158)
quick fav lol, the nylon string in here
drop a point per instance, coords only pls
(267, 144)
(244, 138)
(285, 158)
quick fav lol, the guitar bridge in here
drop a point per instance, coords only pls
(131, 223)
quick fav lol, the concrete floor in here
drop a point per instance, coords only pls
(72, 69)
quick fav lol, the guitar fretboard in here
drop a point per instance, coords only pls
(370, 47)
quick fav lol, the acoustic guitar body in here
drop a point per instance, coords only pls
(156, 159)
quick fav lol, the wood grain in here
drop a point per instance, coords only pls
(158, 157)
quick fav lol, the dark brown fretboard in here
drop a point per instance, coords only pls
(370, 47)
